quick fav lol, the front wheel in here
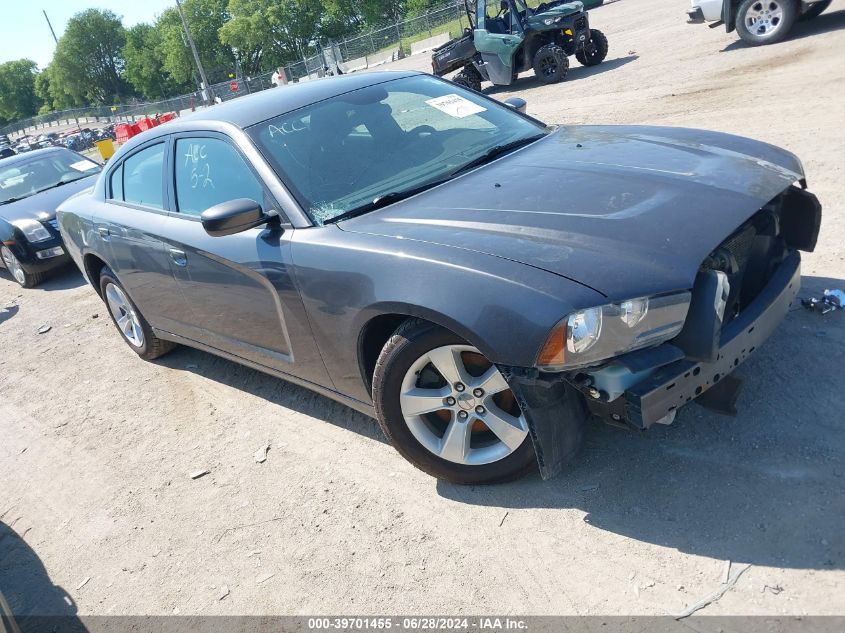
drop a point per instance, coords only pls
(595, 50)
(16, 270)
(447, 409)
(551, 64)
(765, 21)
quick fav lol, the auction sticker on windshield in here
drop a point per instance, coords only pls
(455, 105)
(83, 165)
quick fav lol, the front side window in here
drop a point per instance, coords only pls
(210, 171)
(143, 177)
(342, 153)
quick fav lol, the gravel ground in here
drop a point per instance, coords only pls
(96, 446)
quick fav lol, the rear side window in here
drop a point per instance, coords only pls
(143, 177)
(210, 171)
(116, 186)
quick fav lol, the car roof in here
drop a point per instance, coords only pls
(272, 102)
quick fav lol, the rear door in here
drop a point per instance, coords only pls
(128, 229)
(239, 289)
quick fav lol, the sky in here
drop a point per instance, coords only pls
(24, 32)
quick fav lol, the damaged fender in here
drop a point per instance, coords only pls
(556, 414)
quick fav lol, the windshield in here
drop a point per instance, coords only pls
(25, 178)
(343, 153)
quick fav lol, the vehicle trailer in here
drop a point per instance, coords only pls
(755, 21)
(496, 48)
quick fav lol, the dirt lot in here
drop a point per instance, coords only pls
(96, 445)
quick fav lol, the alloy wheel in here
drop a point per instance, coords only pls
(124, 315)
(548, 66)
(458, 405)
(764, 17)
(13, 265)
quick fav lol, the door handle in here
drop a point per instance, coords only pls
(179, 258)
(104, 233)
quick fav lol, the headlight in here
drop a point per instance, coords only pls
(33, 230)
(590, 336)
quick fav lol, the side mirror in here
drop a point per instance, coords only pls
(516, 103)
(234, 216)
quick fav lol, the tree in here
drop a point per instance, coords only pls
(281, 29)
(17, 90)
(379, 12)
(144, 64)
(205, 18)
(341, 18)
(88, 61)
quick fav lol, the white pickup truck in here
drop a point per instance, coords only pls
(756, 21)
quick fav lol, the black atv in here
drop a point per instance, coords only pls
(517, 39)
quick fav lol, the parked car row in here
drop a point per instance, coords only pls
(384, 240)
(78, 139)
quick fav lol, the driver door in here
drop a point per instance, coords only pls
(239, 289)
(497, 48)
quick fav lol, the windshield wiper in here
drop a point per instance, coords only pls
(385, 199)
(496, 151)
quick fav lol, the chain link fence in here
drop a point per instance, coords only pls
(383, 44)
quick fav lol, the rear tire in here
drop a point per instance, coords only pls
(481, 456)
(761, 22)
(599, 41)
(551, 64)
(814, 10)
(468, 77)
(133, 327)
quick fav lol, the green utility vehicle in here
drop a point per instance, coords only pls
(507, 37)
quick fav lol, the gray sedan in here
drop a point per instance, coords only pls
(479, 282)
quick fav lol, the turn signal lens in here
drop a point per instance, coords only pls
(553, 353)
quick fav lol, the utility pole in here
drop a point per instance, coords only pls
(56, 40)
(206, 87)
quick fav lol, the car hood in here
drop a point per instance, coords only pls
(625, 210)
(42, 206)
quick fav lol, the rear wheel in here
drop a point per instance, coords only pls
(15, 268)
(469, 77)
(447, 409)
(595, 51)
(131, 324)
(815, 10)
(551, 64)
(765, 21)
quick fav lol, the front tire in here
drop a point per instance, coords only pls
(761, 22)
(16, 270)
(599, 50)
(551, 64)
(133, 327)
(448, 410)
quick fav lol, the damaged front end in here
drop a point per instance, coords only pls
(743, 290)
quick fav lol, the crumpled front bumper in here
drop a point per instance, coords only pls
(678, 383)
(551, 403)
